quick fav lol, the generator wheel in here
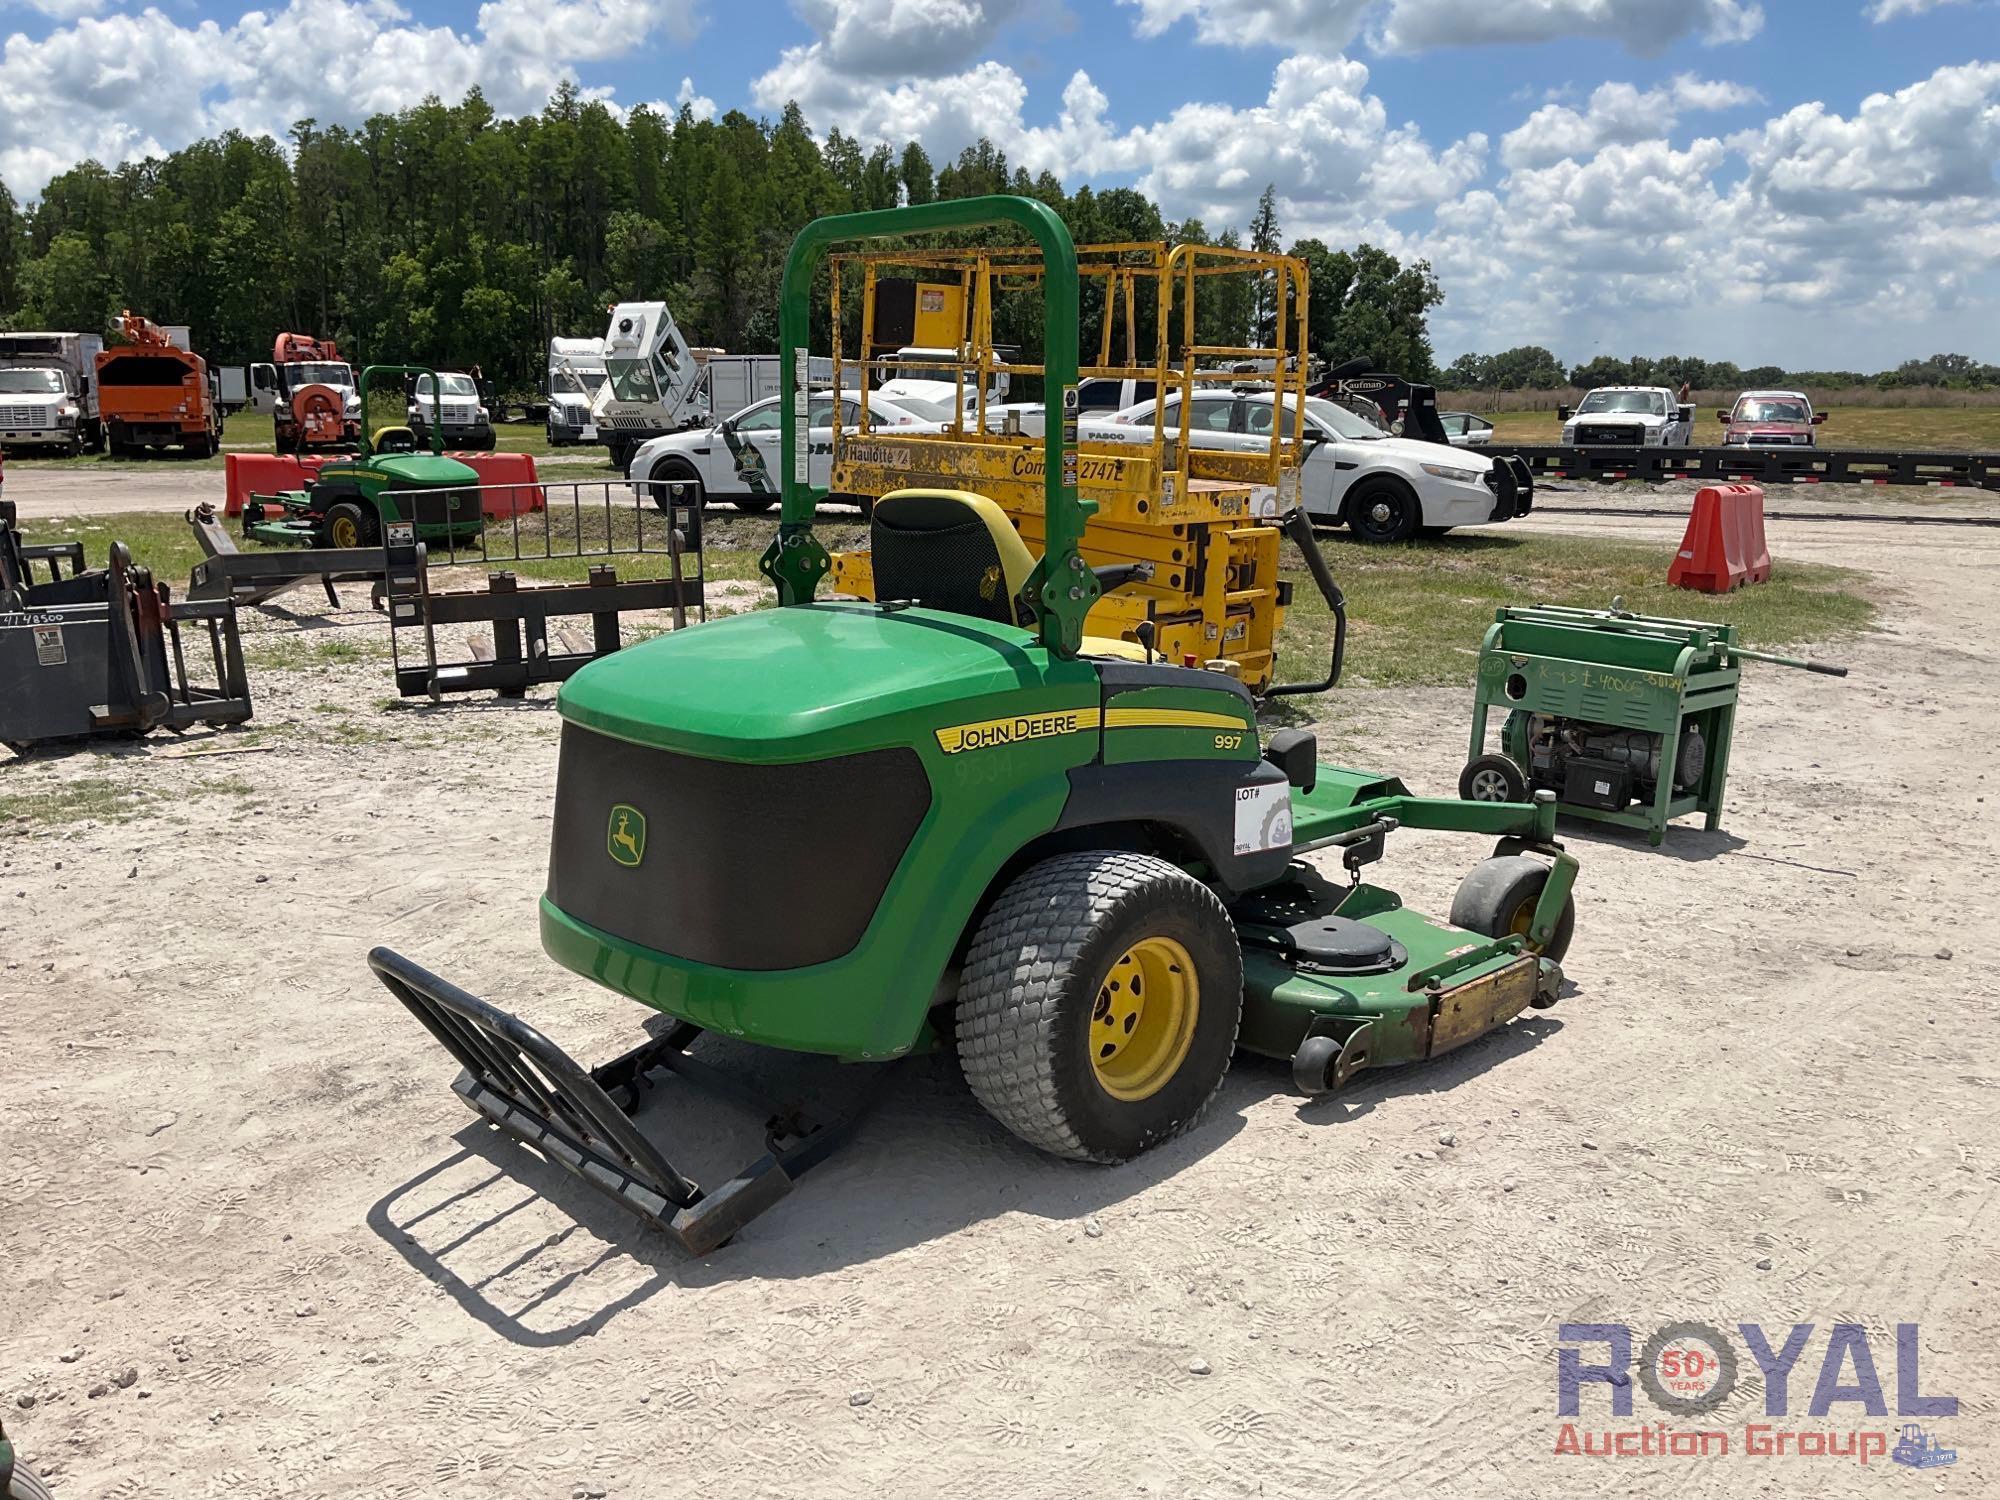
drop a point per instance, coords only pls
(1492, 778)
(1498, 898)
(1099, 1003)
(347, 526)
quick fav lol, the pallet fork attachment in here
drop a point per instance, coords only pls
(580, 1119)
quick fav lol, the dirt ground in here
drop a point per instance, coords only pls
(238, 1198)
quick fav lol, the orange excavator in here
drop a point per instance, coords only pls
(309, 391)
(152, 393)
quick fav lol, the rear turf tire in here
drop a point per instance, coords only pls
(347, 526)
(1044, 960)
(27, 1484)
(1498, 899)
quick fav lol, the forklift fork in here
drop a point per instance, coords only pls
(579, 1118)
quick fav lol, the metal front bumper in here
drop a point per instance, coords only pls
(37, 437)
(1513, 485)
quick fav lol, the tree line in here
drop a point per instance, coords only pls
(449, 236)
(1533, 368)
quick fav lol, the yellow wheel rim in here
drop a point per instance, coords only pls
(346, 533)
(1143, 1021)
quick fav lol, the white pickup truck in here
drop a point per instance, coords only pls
(1628, 416)
(1383, 488)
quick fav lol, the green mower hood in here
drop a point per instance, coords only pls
(413, 470)
(808, 681)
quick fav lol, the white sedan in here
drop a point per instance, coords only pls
(1385, 488)
(738, 458)
(1465, 430)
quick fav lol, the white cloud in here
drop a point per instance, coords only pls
(1318, 136)
(66, 10)
(1889, 10)
(890, 38)
(1617, 114)
(1641, 26)
(128, 85)
(1873, 225)
(1935, 140)
(1326, 26)
(700, 105)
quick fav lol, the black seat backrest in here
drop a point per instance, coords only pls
(933, 551)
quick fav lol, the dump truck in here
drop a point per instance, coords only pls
(155, 393)
(48, 392)
(308, 389)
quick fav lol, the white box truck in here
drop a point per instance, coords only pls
(48, 391)
(734, 381)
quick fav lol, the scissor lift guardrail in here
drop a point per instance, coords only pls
(1205, 518)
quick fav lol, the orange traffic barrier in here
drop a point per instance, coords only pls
(1724, 547)
(247, 474)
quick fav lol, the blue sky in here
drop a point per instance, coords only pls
(1802, 182)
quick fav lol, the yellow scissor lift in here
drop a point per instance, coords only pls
(1206, 520)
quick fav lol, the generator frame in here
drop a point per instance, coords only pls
(1617, 669)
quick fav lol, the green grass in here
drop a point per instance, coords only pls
(306, 649)
(1417, 613)
(101, 799)
(164, 543)
(1974, 429)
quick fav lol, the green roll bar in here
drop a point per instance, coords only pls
(369, 372)
(1062, 587)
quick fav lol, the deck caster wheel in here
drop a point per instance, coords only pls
(1492, 778)
(1313, 1065)
(1324, 1064)
(1498, 899)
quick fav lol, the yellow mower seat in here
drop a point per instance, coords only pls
(957, 551)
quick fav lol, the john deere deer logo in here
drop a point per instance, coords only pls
(625, 839)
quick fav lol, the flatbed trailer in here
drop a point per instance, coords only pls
(1761, 465)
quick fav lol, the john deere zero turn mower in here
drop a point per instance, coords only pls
(863, 828)
(354, 498)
